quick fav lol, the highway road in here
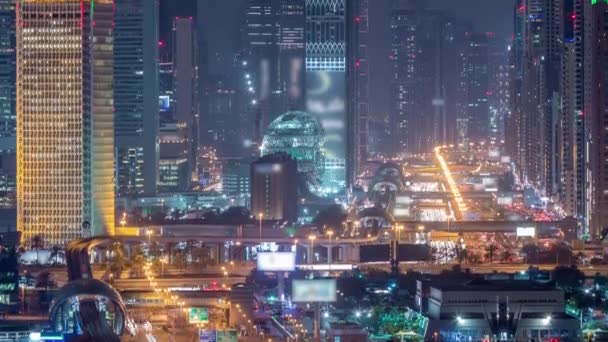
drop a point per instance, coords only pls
(479, 269)
(201, 281)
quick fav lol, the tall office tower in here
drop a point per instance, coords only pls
(357, 86)
(221, 127)
(185, 85)
(596, 105)
(7, 104)
(514, 123)
(473, 120)
(326, 84)
(498, 90)
(260, 50)
(538, 57)
(291, 26)
(65, 138)
(166, 98)
(571, 140)
(136, 96)
(421, 41)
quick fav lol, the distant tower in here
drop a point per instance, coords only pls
(136, 96)
(185, 86)
(358, 86)
(65, 139)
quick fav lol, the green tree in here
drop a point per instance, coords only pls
(201, 256)
(37, 243)
(137, 260)
(55, 252)
(568, 278)
(117, 262)
(46, 280)
(331, 217)
(180, 260)
(530, 252)
(490, 251)
(392, 320)
(506, 256)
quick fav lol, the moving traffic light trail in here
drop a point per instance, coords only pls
(460, 207)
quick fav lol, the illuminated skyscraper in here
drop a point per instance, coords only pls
(358, 86)
(7, 103)
(65, 139)
(326, 84)
(136, 96)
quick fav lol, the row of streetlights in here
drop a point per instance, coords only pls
(462, 208)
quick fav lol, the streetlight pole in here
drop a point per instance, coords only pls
(330, 233)
(312, 248)
(261, 215)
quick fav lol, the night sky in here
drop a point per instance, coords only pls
(222, 20)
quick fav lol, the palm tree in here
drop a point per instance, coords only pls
(201, 255)
(490, 250)
(36, 243)
(179, 260)
(138, 259)
(55, 251)
(507, 256)
(118, 261)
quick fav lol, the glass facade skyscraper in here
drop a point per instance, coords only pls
(136, 96)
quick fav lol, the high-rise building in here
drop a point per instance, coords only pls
(185, 85)
(8, 121)
(483, 89)
(136, 96)
(358, 79)
(166, 98)
(424, 47)
(595, 119)
(537, 57)
(7, 74)
(291, 26)
(326, 62)
(260, 50)
(65, 139)
(274, 187)
(173, 160)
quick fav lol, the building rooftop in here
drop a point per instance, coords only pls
(485, 285)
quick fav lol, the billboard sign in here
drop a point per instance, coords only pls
(229, 335)
(315, 290)
(326, 101)
(206, 335)
(276, 261)
(198, 315)
(526, 231)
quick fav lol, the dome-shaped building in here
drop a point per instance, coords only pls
(301, 136)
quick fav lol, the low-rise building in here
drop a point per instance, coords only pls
(481, 310)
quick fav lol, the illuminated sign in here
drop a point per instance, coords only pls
(327, 267)
(206, 335)
(325, 100)
(198, 315)
(526, 231)
(316, 290)
(164, 103)
(226, 336)
(276, 261)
